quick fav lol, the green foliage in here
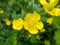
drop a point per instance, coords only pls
(14, 9)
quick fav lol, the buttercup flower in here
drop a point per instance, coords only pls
(49, 20)
(32, 22)
(50, 7)
(7, 21)
(17, 24)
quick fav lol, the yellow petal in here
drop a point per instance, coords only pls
(33, 31)
(28, 16)
(57, 11)
(39, 25)
(32, 17)
(27, 25)
(53, 2)
(49, 7)
(54, 11)
(44, 2)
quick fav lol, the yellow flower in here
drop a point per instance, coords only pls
(1, 11)
(49, 7)
(32, 22)
(7, 21)
(49, 20)
(33, 30)
(17, 24)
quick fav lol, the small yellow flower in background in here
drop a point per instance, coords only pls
(50, 7)
(49, 20)
(17, 24)
(32, 22)
(7, 21)
(38, 37)
(47, 42)
(42, 30)
(1, 11)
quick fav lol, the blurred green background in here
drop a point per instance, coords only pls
(57, 34)
(57, 37)
(14, 5)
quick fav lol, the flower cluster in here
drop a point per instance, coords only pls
(32, 23)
